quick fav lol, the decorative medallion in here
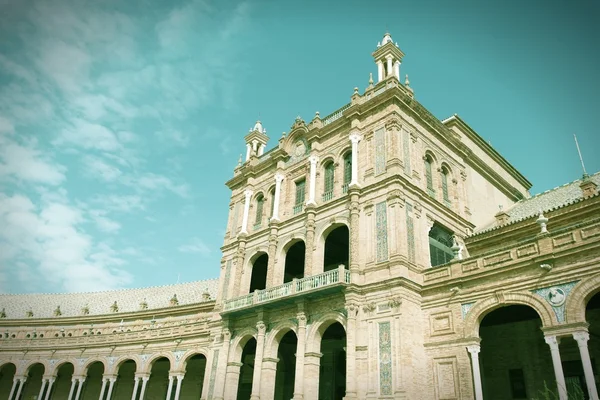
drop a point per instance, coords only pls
(299, 148)
(178, 354)
(556, 296)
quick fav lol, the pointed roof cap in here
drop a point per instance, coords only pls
(258, 127)
(386, 38)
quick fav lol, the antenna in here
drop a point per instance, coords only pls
(585, 174)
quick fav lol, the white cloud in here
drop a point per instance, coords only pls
(104, 223)
(6, 126)
(196, 245)
(67, 65)
(89, 135)
(120, 203)
(48, 239)
(154, 182)
(27, 163)
(98, 167)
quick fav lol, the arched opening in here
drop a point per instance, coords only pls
(294, 262)
(332, 371)
(33, 384)
(62, 385)
(191, 387)
(246, 370)
(347, 171)
(158, 384)
(286, 367)
(328, 181)
(93, 382)
(123, 388)
(260, 202)
(258, 279)
(7, 374)
(440, 245)
(515, 360)
(428, 175)
(337, 248)
(272, 202)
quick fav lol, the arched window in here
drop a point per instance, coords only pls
(428, 175)
(260, 202)
(347, 171)
(440, 245)
(300, 196)
(329, 175)
(444, 176)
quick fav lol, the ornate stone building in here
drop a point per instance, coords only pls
(374, 253)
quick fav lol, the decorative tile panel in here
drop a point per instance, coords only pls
(380, 151)
(213, 373)
(226, 279)
(410, 232)
(381, 229)
(464, 309)
(406, 148)
(556, 296)
(385, 359)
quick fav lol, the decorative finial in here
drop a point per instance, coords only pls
(29, 313)
(585, 174)
(500, 207)
(542, 221)
(114, 308)
(205, 296)
(174, 301)
(370, 78)
(282, 134)
(3, 313)
(317, 115)
(406, 81)
(57, 312)
(355, 91)
(456, 249)
(85, 310)
(239, 161)
(144, 305)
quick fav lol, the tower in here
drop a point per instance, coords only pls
(388, 57)
(256, 141)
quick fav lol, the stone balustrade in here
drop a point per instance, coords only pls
(327, 279)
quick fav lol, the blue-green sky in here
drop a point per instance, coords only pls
(120, 121)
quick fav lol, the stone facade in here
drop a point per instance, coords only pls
(368, 255)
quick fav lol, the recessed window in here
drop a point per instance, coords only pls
(440, 244)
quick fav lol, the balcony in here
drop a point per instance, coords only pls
(321, 283)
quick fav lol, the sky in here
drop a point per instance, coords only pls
(120, 121)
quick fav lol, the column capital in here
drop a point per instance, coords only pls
(176, 374)
(279, 177)
(313, 159)
(552, 341)
(142, 375)
(248, 192)
(301, 317)
(261, 327)
(388, 57)
(581, 337)
(355, 137)
(474, 349)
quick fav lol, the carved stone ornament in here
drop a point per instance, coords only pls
(85, 310)
(205, 296)
(369, 307)
(556, 297)
(3, 313)
(174, 301)
(114, 308)
(143, 305)
(29, 313)
(57, 312)
(394, 302)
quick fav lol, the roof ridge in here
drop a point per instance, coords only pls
(109, 291)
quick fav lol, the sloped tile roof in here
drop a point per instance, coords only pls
(16, 306)
(546, 201)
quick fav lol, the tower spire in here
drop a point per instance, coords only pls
(388, 57)
(585, 174)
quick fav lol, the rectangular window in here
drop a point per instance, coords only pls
(259, 211)
(445, 186)
(347, 172)
(379, 151)
(381, 229)
(329, 175)
(300, 191)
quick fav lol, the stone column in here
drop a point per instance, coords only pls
(80, 381)
(553, 342)
(232, 379)
(248, 151)
(354, 139)
(41, 394)
(248, 194)
(170, 387)
(272, 252)
(351, 309)
(474, 352)
(103, 390)
(178, 388)
(14, 386)
(220, 379)
(239, 266)
(21, 383)
(260, 347)
(144, 384)
(300, 350)
(278, 180)
(397, 69)
(379, 71)
(111, 384)
(269, 372)
(313, 180)
(312, 363)
(136, 384)
(389, 65)
(49, 390)
(582, 338)
(354, 231)
(73, 384)
(310, 240)
(261, 149)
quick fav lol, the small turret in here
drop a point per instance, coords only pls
(256, 141)
(388, 58)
